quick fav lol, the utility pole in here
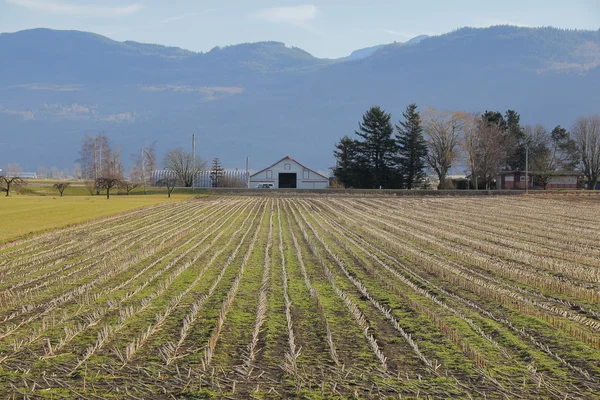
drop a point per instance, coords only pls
(193, 160)
(143, 170)
(247, 175)
(526, 167)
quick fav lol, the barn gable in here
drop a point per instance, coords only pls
(288, 173)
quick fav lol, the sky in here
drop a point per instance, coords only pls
(326, 29)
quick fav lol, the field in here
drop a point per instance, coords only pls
(23, 215)
(309, 297)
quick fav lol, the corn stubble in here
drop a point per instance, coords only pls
(371, 297)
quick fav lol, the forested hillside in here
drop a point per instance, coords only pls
(266, 100)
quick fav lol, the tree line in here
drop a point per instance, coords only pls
(102, 168)
(399, 156)
(100, 165)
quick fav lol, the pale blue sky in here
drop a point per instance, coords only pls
(327, 28)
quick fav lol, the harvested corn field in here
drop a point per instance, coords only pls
(316, 297)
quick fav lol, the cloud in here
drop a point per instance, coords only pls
(65, 8)
(177, 18)
(296, 15)
(24, 114)
(121, 117)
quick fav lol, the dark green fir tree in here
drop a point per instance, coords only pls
(412, 148)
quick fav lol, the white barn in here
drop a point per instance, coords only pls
(288, 173)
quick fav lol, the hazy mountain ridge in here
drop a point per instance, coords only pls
(266, 100)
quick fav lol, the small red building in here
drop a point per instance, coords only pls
(508, 180)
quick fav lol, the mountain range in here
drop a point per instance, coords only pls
(267, 100)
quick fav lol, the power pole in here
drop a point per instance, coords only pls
(247, 175)
(143, 170)
(193, 160)
(527, 168)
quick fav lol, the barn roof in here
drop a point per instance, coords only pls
(291, 159)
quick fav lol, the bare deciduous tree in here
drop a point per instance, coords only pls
(7, 182)
(61, 187)
(492, 150)
(183, 165)
(42, 172)
(549, 152)
(14, 170)
(470, 144)
(145, 163)
(129, 186)
(108, 184)
(586, 133)
(443, 134)
(95, 156)
(112, 175)
(169, 182)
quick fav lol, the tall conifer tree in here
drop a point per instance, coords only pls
(377, 149)
(412, 148)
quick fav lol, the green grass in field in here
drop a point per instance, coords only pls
(23, 215)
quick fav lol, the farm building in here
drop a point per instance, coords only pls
(516, 180)
(288, 173)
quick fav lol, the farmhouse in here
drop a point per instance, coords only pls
(288, 173)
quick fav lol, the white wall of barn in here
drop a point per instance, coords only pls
(305, 178)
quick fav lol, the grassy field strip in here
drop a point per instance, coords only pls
(121, 242)
(128, 223)
(80, 239)
(92, 319)
(433, 268)
(124, 257)
(84, 242)
(28, 215)
(139, 256)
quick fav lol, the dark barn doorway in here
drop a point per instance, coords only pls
(287, 180)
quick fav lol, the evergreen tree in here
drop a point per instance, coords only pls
(516, 137)
(216, 173)
(346, 163)
(412, 148)
(377, 149)
(514, 140)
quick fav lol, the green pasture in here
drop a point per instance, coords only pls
(26, 214)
